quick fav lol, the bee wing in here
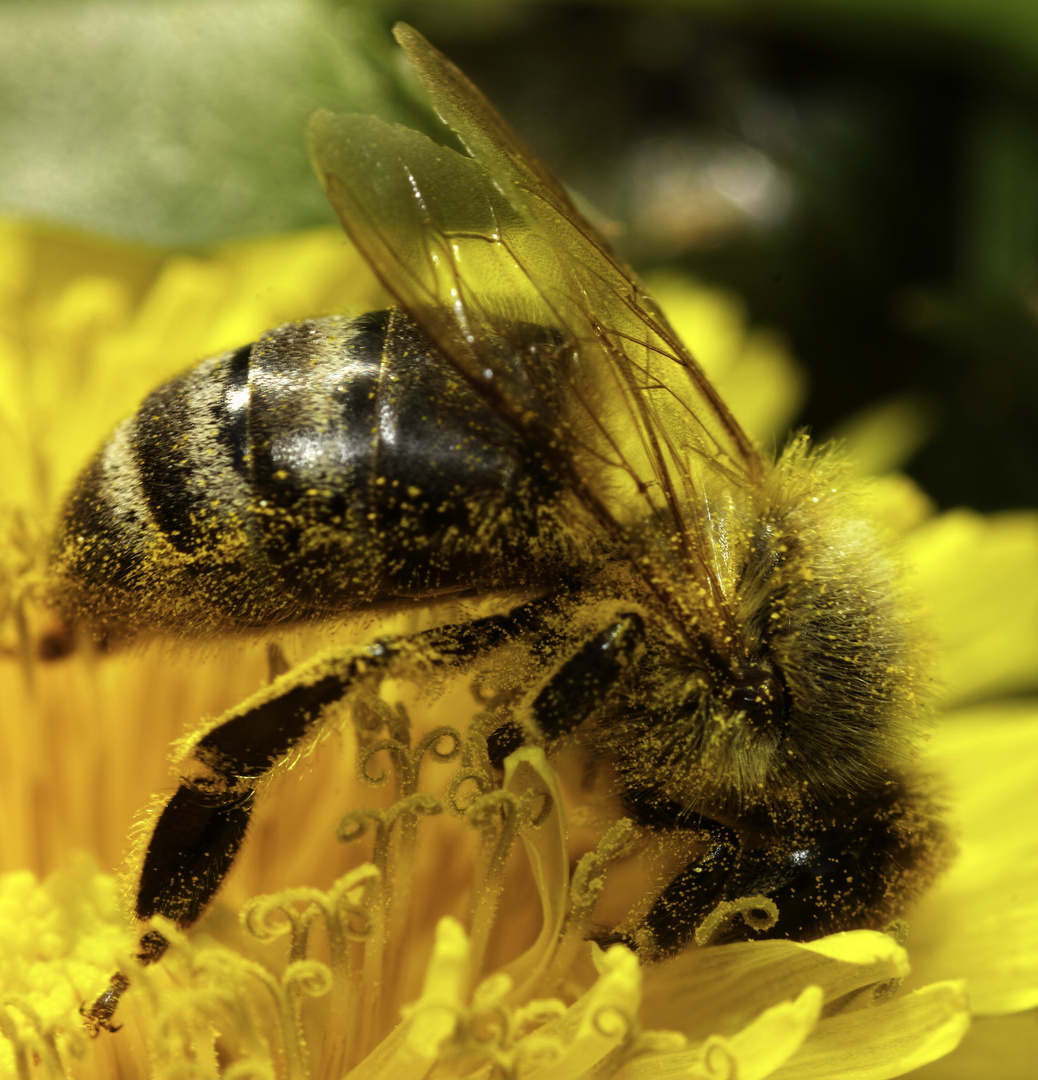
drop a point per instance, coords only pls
(470, 246)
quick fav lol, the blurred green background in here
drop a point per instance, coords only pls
(862, 172)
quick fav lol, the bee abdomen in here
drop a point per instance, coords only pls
(333, 463)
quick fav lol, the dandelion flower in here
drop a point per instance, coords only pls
(398, 910)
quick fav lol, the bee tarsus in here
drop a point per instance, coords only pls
(98, 1017)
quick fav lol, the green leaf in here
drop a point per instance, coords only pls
(180, 122)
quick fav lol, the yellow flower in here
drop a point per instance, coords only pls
(395, 913)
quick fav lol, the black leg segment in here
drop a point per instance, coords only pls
(195, 841)
(587, 677)
(695, 892)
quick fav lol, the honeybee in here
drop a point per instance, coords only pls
(724, 627)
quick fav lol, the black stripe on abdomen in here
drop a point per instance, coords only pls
(191, 452)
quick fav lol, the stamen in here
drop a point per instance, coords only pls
(758, 912)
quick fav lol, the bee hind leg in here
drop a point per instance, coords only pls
(200, 830)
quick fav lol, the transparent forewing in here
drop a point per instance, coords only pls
(476, 246)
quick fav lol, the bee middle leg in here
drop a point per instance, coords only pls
(591, 670)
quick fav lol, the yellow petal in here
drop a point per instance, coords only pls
(756, 1052)
(1003, 1048)
(979, 582)
(599, 1021)
(884, 1041)
(527, 772)
(776, 1035)
(980, 922)
(716, 990)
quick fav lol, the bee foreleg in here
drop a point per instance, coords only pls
(695, 892)
(857, 870)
